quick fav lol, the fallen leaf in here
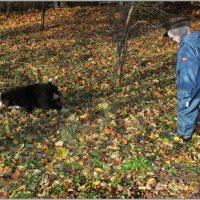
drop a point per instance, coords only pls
(84, 116)
(96, 183)
(159, 188)
(59, 143)
(62, 153)
(151, 182)
(3, 183)
(15, 174)
(86, 171)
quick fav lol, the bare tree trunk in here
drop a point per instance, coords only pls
(126, 9)
(42, 16)
(110, 12)
(22, 7)
(56, 4)
(122, 46)
(8, 8)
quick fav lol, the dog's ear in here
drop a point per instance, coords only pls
(56, 96)
(49, 86)
(5, 93)
(5, 90)
(6, 97)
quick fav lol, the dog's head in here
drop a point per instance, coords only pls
(55, 96)
(6, 97)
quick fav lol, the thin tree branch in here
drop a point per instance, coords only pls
(144, 22)
(161, 11)
(122, 45)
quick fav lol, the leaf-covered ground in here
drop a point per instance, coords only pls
(112, 141)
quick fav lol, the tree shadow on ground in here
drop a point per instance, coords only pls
(84, 100)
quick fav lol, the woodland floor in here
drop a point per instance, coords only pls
(112, 141)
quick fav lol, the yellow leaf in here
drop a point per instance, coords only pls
(43, 147)
(15, 142)
(62, 153)
(161, 152)
(84, 116)
(80, 163)
(68, 161)
(86, 171)
(176, 139)
(142, 187)
(191, 149)
(6, 122)
(2, 62)
(105, 86)
(45, 78)
(98, 170)
(96, 183)
(102, 106)
(83, 82)
(167, 162)
(113, 148)
(82, 188)
(103, 184)
(151, 182)
(54, 196)
(6, 169)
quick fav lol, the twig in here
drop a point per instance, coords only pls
(144, 22)
(164, 12)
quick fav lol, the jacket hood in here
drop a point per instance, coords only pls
(193, 39)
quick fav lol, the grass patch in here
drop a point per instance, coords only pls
(136, 164)
(56, 190)
(23, 195)
(195, 169)
(97, 159)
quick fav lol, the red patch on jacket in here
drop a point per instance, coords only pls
(184, 59)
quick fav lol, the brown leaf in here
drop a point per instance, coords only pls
(18, 128)
(159, 188)
(3, 183)
(4, 194)
(15, 175)
(120, 188)
(15, 111)
(110, 131)
(158, 94)
(124, 141)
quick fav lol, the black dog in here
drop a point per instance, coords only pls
(39, 95)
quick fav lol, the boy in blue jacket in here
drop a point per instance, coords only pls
(187, 75)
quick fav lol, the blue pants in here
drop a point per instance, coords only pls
(188, 115)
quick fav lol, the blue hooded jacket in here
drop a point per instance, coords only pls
(188, 66)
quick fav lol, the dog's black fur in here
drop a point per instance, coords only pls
(39, 95)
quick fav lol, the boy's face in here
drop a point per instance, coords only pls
(177, 33)
(174, 35)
